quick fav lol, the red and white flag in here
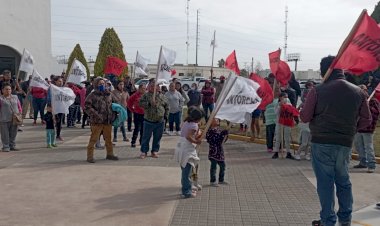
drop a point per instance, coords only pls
(279, 68)
(363, 52)
(232, 64)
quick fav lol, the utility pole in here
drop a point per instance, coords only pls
(212, 59)
(286, 32)
(197, 40)
(187, 36)
(252, 65)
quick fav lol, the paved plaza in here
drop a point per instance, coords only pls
(43, 186)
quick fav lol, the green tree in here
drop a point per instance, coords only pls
(376, 13)
(110, 45)
(221, 63)
(77, 53)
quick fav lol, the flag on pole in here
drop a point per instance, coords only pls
(265, 91)
(78, 73)
(27, 62)
(363, 51)
(38, 81)
(61, 99)
(279, 68)
(232, 64)
(141, 65)
(114, 66)
(166, 60)
(241, 99)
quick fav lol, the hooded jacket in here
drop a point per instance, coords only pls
(98, 105)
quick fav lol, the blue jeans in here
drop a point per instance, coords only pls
(122, 128)
(207, 107)
(50, 136)
(364, 146)
(185, 180)
(150, 129)
(222, 168)
(175, 118)
(38, 106)
(330, 164)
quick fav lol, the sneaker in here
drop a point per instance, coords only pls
(289, 155)
(214, 184)
(15, 149)
(370, 170)
(170, 133)
(307, 157)
(49, 146)
(297, 157)
(126, 139)
(178, 133)
(316, 223)
(224, 183)
(112, 157)
(114, 140)
(60, 138)
(54, 145)
(199, 187)
(275, 155)
(5, 150)
(270, 150)
(90, 160)
(359, 166)
(133, 145)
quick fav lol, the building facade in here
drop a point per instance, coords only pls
(26, 24)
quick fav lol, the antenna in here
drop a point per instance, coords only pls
(187, 36)
(286, 31)
(197, 40)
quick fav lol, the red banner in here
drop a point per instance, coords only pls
(232, 64)
(114, 66)
(363, 52)
(265, 91)
(279, 68)
(287, 115)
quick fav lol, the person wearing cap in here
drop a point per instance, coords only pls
(208, 98)
(218, 86)
(98, 106)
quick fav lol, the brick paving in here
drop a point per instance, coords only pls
(261, 191)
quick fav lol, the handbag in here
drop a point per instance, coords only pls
(16, 117)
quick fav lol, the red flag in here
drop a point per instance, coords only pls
(265, 91)
(377, 89)
(363, 52)
(232, 64)
(114, 66)
(287, 115)
(173, 72)
(279, 68)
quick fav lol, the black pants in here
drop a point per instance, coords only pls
(270, 130)
(84, 119)
(58, 123)
(222, 168)
(138, 120)
(129, 120)
(79, 114)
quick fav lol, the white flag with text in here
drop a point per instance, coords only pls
(166, 59)
(241, 99)
(38, 81)
(27, 62)
(61, 99)
(141, 64)
(78, 73)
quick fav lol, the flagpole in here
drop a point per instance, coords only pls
(212, 59)
(155, 81)
(372, 94)
(134, 70)
(18, 71)
(345, 44)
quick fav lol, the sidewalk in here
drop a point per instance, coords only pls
(58, 187)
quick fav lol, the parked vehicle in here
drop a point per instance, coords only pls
(187, 82)
(161, 82)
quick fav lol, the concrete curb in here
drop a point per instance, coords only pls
(292, 146)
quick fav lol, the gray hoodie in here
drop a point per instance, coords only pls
(175, 101)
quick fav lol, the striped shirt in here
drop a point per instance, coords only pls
(270, 113)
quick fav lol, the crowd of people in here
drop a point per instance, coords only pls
(328, 124)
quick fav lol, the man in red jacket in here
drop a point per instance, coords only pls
(364, 137)
(138, 113)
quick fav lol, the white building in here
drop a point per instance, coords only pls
(300, 75)
(26, 24)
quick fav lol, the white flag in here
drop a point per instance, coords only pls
(27, 62)
(167, 59)
(61, 99)
(241, 99)
(77, 73)
(38, 81)
(140, 71)
(141, 62)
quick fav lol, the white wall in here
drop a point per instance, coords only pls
(27, 24)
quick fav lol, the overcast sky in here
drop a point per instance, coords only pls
(253, 28)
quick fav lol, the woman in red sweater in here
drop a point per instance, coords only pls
(39, 102)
